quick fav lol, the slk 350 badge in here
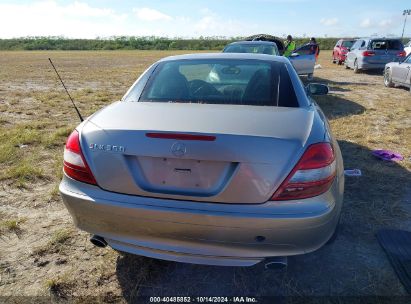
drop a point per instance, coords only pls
(108, 148)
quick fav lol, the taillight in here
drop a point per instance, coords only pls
(401, 54)
(75, 165)
(312, 176)
(368, 53)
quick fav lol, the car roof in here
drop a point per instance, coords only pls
(251, 56)
(254, 42)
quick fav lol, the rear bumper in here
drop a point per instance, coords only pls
(203, 233)
(371, 66)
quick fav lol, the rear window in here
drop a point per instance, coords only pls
(386, 44)
(211, 81)
(347, 43)
(252, 48)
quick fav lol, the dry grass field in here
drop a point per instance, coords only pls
(42, 253)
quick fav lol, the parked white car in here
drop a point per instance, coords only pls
(407, 48)
(398, 73)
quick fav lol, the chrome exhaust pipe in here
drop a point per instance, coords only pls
(98, 241)
(276, 263)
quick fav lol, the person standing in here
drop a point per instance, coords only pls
(289, 46)
(315, 48)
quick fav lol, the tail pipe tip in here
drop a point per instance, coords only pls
(276, 263)
(98, 241)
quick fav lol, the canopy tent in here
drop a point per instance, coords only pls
(266, 37)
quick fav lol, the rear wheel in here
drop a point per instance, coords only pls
(356, 68)
(339, 62)
(388, 78)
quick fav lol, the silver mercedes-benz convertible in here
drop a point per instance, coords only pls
(218, 159)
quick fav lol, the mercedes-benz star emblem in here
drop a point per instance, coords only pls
(178, 149)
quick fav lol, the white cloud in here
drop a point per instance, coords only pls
(366, 23)
(149, 14)
(385, 23)
(212, 24)
(329, 21)
(84, 10)
(208, 21)
(206, 11)
(82, 20)
(49, 18)
(86, 19)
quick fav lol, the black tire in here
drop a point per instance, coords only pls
(388, 78)
(356, 68)
(339, 62)
(346, 66)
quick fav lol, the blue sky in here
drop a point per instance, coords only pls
(184, 18)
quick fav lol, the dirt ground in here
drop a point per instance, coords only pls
(43, 254)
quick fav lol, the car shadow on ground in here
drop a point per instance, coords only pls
(335, 106)
(353, 265)
(337, 84)
(340, 86)
(375, 72)
(401, 87)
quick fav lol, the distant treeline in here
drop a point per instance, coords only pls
(113, 43)
(134, 43)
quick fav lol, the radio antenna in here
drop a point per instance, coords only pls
(72, 101)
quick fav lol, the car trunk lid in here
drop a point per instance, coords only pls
(383, 51)
(215, 153)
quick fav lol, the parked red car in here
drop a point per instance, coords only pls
(341, 48)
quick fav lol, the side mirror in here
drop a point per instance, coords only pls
(317, 89)
(294, 55)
